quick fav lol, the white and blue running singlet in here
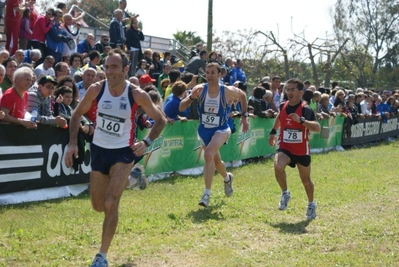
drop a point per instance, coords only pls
(115, 118)
(213, 114)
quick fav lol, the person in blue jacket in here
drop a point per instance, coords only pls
(171, 106)
(56, 37)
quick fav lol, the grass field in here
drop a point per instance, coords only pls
(357, 224)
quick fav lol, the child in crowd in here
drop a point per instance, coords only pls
(142, 68)
(64, 96)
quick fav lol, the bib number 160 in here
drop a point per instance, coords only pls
(111, 126)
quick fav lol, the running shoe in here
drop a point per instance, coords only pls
(311, 211)
(228, 186)
(204, 202)
(140, 179)
(285, 198)
(99, 261)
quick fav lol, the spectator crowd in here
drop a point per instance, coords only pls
(45, 66)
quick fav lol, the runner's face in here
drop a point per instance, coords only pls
(113, 70)
(212, 74)
(293, 94)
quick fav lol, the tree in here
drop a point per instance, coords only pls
(188, 39)
(102, 10)
(372, 28)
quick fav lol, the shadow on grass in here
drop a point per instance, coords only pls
(205, 214)
(293, 228)
(174, 178)
(128, 264)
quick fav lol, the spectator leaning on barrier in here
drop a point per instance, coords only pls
(191, 82)
(40, 99)
(14, 102)
(171, 106)
(69, 82)
(64, 109)
(259, 104)
(324, 107)
(10, 65)
(174, 76)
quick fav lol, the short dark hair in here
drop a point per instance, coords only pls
(72, 57)
(60, 5)
(125, 59)
(173, 75)
(93, 54)
(202, 53)
(259, 92)
(276, 77)
(299, 83)
(5, 62)
(214, 64)
(57, 66)
(62, 90)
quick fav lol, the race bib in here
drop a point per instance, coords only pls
(110, 125)
(292, 136)
(210, 120)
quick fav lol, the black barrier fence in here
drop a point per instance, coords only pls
(34, 159)
(370, 130)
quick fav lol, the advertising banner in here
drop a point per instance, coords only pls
(34, 159)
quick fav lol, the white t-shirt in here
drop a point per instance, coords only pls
(39, 70)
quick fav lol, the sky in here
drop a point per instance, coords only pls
(163, 18)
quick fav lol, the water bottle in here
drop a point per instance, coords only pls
(33, 115)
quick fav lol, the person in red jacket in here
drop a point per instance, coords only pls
(14, 9)
(41, 26)
(295, 120)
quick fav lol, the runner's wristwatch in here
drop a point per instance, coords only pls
(245, 114)
(147, 141)
(302, 120)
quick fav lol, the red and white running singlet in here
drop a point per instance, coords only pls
(294, 137)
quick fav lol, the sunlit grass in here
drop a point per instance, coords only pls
(357, 224)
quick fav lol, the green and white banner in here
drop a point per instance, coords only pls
(178, 147)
